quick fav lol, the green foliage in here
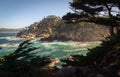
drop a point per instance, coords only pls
(90, 11)
(93, 7)
(21, 61)
(113, 21)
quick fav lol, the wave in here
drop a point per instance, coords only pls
(72, 43)
(56, 49)
(11, 38)
(9, 45)
(62, 49)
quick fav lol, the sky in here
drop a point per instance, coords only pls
(21, 13)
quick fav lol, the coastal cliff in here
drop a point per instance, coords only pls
(53, 28)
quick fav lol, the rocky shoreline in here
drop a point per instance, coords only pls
(53, 28)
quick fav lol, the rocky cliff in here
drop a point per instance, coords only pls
(53, 28)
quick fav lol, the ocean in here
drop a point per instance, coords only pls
(8, 43)
(57, 49)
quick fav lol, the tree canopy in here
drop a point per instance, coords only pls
(104, 12)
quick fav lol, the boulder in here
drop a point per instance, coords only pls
(76, 71)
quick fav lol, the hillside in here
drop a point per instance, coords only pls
(53, 28)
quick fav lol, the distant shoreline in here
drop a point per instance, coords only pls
(6, 30)
(9, 32)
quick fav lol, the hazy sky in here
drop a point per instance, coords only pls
(21, 13)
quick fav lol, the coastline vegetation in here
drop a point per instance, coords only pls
(22, 63)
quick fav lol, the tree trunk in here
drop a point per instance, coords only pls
(111, 28)
(118, 29)
(111, 31)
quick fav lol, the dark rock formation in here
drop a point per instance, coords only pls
(76, 71)
(58, 38)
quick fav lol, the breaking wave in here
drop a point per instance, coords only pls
(56, 49)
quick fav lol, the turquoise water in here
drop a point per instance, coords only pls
(56, 49)
(7, 34)
(6, 50)
(8, 38)
(7, 41)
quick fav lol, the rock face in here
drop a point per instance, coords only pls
(54, 28)
(83, 32)
(76, 71)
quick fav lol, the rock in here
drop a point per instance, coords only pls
(76, 71)
(54, 62)
(110, 72)
(50, 39)
(66, 72)
(53, 38)
(95, 75)
(53, 28)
